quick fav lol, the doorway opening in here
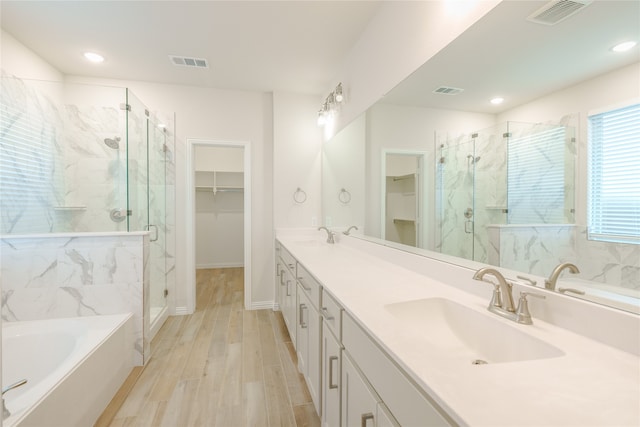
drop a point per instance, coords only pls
(402, 187)
(218, 211)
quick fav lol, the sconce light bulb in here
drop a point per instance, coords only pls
(338, 92)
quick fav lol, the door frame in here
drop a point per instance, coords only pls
(420, 191)
(190, 216)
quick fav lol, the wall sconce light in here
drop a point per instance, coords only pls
(330, 104)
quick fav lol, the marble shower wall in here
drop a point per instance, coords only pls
(57, 276)
(73, 179)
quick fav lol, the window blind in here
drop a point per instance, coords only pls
(27, 169)
(614, 175)
(535, 176)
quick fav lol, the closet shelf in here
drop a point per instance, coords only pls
(219, 189)
(403, 177)
(403, 221)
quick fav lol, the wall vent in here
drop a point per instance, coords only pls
(185, 61)
(446, 90)
(557, 10)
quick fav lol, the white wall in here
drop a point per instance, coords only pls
(296, 160)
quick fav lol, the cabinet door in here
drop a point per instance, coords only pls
(302, 344)
(313, 362)
(359, 404)
(289, 304)
(331, 378)
(384, 417)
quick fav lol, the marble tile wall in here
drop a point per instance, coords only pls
(77, 275)
(74, 178)
(538, 249)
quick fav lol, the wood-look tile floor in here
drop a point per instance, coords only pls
(221, 366)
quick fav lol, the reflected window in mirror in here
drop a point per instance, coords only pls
(614, 175)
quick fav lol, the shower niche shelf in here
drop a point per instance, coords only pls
(69, 208)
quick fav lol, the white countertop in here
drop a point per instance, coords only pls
(591, 384)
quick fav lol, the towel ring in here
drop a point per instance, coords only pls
(299, 196)
(344, 196)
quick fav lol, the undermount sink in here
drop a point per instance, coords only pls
(454, 331)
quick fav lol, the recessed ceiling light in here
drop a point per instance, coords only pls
(497, 100)
(94, 57)
(623, 47)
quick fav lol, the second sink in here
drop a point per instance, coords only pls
(454, 330)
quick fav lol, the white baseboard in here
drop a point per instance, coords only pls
(182, 311)
(261, 305)
(219, 265)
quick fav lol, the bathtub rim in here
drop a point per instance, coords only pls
(114, 323)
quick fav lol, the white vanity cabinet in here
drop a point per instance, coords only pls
(361, 405)
(409, 406)
(331, 313)
(287, 291)
(309, 331)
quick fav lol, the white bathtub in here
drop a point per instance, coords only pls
(73, 367)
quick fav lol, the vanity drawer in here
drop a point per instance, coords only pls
(310, 285)
(288, 260)
(407, 404)
(332, 314)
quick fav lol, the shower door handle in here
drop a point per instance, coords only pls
(468, 226)
(155, 228)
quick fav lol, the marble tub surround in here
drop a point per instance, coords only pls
(75, 275)
(592, 382)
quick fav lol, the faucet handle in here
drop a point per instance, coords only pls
(496, 298)
(528, 280)
(522, 313)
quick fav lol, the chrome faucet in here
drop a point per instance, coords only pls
(348, 230)
(550, 283)
(504, 306)
(5, 412)
(330, 234)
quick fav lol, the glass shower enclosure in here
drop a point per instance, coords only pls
(87, 158)
(513, 174)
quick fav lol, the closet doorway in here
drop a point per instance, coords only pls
(219, 211)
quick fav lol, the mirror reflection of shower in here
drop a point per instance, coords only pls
(113, 142)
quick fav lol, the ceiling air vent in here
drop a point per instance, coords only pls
(445, 90)
(557, 10)
(185, 61)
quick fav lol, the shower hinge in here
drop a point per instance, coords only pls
(165, 148)
(474, 135)
(125, 107)
(166, 292)
(507, 135)
(442, 160)
(129, 212)
(573, 139)
(146, 113)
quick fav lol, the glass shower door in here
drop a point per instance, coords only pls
(456, 169)
(157, 223)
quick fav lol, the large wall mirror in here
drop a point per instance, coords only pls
(498, 184)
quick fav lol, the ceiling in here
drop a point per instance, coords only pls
(505, 55)
(250, 45)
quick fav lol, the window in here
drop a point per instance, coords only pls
(614, 175)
